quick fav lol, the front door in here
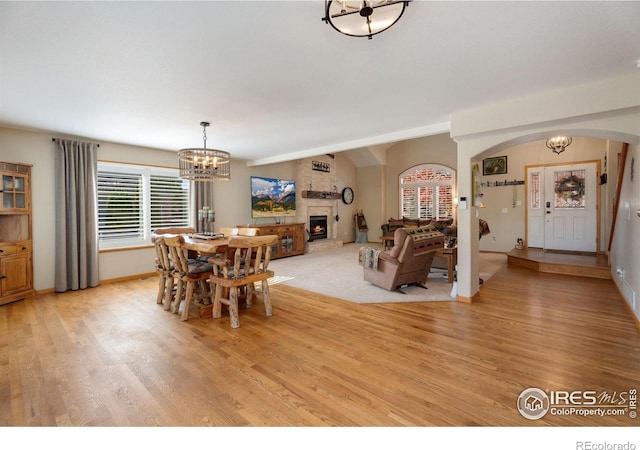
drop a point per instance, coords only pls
(563, 207)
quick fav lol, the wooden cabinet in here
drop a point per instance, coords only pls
(291, 238)
(16, 261)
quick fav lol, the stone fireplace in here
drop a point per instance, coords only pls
(308, 208)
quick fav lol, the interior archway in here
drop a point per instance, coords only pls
(505, 196)
(616, 125)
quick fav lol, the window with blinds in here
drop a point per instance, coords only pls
(427, 192)
(169, 197)
(134, 200)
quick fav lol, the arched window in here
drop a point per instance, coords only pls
(427, 192)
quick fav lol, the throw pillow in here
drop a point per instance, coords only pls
(411, 223)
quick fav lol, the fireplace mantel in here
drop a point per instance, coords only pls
(326, 195)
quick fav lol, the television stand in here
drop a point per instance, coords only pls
(291, 238)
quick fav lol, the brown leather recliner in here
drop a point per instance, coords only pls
(408, 262)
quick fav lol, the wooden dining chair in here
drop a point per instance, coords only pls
(247, 263)
(164, 268)
(248, 231)
(192, 274)
(229, 231)
(174, 230)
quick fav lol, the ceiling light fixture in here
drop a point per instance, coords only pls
(363, 18)
(559, 143)
(204, 164)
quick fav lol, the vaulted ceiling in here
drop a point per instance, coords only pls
(277, 83)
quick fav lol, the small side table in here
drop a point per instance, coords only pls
(387, 242)
(451, 255)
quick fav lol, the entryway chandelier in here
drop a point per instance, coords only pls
(204, 164)
(558, 144)
(363, 18)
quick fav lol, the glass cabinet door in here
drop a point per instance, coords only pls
(7, 191)
(286, 242)
(14, 194)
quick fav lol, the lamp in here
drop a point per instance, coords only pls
(363, 18)
(559, 143)
(204, 164)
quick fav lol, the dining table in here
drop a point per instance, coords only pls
(206, 247)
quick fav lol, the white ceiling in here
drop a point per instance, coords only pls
(278, 83)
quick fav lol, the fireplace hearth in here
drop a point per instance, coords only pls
(317, 228)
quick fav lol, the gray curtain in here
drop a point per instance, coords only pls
(76, 206)
(201, 195)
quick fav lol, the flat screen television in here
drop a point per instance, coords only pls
(272, 197)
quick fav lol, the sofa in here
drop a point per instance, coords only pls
(446, 227)
(408, 262)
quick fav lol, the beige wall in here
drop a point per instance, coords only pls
(608, 109)
(231, 198)
(378, 185)
(370, 198)
(507, 223)
(37, 148)
(347, 176)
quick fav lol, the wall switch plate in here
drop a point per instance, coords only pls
(505, 210)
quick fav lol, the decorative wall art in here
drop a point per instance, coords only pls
(494, 166)
(569, 189)
(320, 166)
(476, 184)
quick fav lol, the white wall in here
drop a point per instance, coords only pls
(625, 252)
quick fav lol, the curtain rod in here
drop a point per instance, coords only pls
(54, 139)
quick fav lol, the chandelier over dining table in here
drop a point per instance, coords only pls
(204, 164)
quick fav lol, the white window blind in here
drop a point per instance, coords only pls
(134, 200)
(427, 192)
(120, 206)
(169, 201)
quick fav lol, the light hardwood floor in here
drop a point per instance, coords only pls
(111, 356)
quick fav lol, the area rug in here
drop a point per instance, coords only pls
(336, 273)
